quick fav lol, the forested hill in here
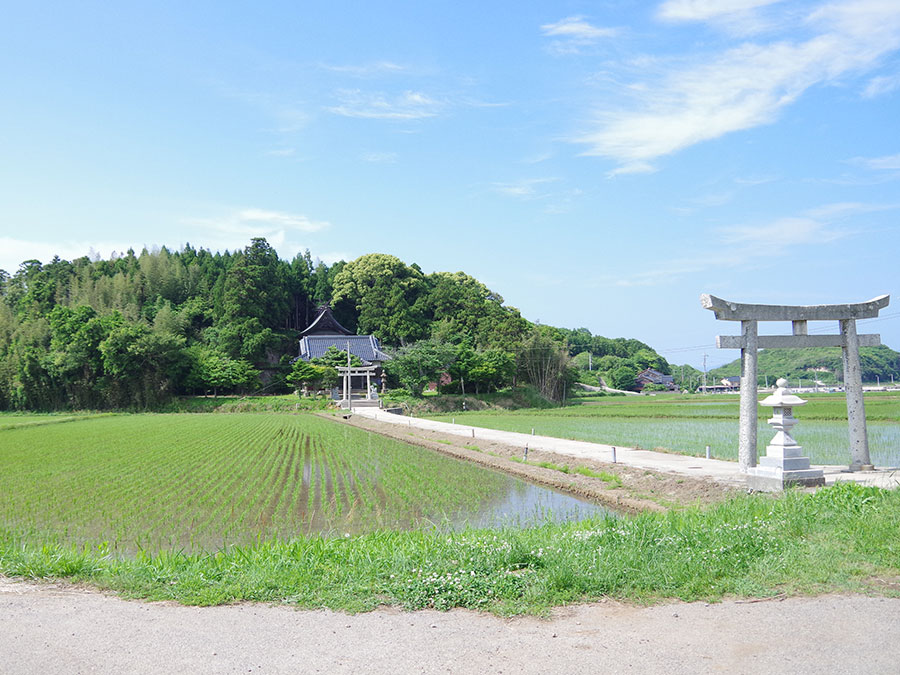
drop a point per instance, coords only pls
(819, 363)
(136, 329)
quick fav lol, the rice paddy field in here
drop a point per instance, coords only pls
(687, 424)
(130, 483)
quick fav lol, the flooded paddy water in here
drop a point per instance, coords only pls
(203, 482)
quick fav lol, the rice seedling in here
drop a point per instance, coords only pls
(201, 482)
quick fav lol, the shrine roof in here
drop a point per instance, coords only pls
(325, 324)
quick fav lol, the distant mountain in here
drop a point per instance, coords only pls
(820, 363)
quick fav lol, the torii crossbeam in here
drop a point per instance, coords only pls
(749, 341)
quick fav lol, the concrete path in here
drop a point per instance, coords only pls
(697, 467)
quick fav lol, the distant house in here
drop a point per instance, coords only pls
(731, 383)
(653, 376)
(325, 332)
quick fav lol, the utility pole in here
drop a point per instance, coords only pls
(590, 361)
(704, 373)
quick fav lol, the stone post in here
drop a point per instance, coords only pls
(856, 409)
(747, 436)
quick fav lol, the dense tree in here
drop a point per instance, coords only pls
(415, 365)
(137, 328)
(306, 375)
(336, 358)
(388, 296)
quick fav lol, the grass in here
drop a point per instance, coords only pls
(842, 538)
(611, 478)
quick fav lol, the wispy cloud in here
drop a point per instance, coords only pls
(282, 152)
(704, 10)
(287, 221)
(13, 252)
(889, 162)
(236, 228)
(742, 87)
(409, 105)
(754, 180)
(756, 245)
(576, 28)
(846, 209)
(367, 69)
(287, 117)
(379, 157)
(780, 233)
(573, 32)
(525, 188)
(882, 84)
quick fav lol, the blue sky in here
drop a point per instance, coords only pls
(599, 164)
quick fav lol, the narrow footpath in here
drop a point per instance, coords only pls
(720, 471)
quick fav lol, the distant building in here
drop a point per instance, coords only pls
(731, 383)
(325, 332)
(653, 376)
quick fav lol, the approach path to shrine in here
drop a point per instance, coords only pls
(721, 471)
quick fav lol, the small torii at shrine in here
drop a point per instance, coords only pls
(749, 341)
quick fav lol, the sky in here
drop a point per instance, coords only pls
(598, 164)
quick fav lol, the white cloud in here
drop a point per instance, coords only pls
(782, 232)
(742, 87)
(577, 29)
(288, 117)
(379, 157)
(525, 188)
(754, 180)
(287, 221)
(234, 230)
(881, 85)
(844, 209)
(704, 10)
(410, 105)
(367, 69)
(282, 152)
(889, 162)
(14, 252)
(573, 33)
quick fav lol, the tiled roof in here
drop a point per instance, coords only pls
(364, 346)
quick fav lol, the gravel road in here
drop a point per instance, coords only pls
(56, 628)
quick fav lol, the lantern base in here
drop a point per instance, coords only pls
(776, 479)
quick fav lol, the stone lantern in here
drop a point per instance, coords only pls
(784, 463)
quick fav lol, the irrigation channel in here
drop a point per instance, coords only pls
(203, 481)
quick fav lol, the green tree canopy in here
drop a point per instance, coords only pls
(388, 296)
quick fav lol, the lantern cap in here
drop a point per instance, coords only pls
(782, 398)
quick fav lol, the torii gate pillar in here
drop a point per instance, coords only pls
(750, 341)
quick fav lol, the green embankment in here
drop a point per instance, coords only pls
(842, 538)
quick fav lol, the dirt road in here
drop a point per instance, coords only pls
(53, 628)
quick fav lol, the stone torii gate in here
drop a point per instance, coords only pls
(749, 341)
